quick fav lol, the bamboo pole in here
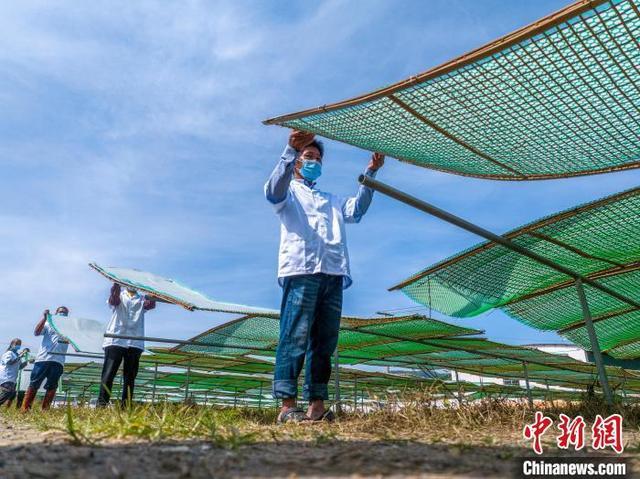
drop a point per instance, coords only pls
(155, 380)
(526, 381)
(459, 389)
(186, 386)
(355, 393)
(595, 346)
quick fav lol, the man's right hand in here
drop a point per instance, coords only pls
(45, 313)
(299, 139)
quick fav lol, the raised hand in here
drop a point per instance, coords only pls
(299, 139)
(376, 162)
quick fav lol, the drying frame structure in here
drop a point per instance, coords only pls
(524, 107)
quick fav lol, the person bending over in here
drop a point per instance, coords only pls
(11, 362)
(49, 362)
(128, 310)
(313, 269)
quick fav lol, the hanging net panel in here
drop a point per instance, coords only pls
(598, 240)
(172, 291)
(557, 98)
(84, 335)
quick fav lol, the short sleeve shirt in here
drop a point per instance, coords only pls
(127, 319)
(53, 346)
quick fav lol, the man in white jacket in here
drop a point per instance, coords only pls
(313, 269)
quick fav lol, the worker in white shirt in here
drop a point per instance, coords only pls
(128, 311)
(313, 269)
(49, 363)
(11, 362)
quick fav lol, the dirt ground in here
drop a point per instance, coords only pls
(26, 453)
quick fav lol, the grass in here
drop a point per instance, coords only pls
(160, 422)
(486, 422)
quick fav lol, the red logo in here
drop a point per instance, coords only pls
(572, 432)
(604, 432)
(607, 432)
(536, 430)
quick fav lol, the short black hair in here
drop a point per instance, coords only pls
(13, 342)
(317, 144)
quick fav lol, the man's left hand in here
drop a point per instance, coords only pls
(377, 160)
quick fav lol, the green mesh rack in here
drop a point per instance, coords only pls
(599, 240)
(557, 98)
(414, 342)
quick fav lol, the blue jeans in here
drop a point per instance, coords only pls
(49, 370)
(309, 325)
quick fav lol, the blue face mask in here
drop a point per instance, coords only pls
(311, 170)
(16, 348)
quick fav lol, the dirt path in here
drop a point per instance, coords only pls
(31, 454)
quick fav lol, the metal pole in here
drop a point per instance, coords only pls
(355, 394)
(526, 381)
(546, 381)
(155, 380)
(260, 397)
(593, 339)
(507, 243)
(186, 386)
(466, 225)
(19, 379)
(459, 389)
(235, 397)
(336, 360)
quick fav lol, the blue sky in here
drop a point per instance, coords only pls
(131, 135)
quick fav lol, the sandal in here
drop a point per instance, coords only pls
(292, 415)
(327, 416)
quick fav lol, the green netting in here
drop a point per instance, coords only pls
(407, 342)
(172, 291)
(202, 374)
(259, 335)
(210, 384)
(627, 350)
(599, 240)
(557, 98)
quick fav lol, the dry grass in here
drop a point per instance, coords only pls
(487, 422)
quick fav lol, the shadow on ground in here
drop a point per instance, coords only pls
(263, 460)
